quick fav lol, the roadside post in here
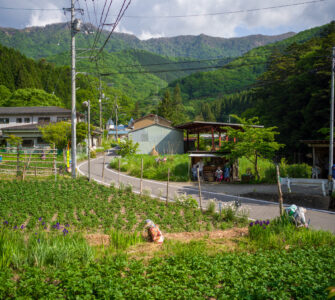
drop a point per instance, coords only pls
(167, 187)
(200, 199)
(141, 181)
(280, 194)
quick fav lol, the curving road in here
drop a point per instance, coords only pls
(257, 209)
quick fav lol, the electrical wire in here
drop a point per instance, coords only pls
(118, 19)
(227, 12)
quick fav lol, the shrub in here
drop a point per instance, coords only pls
(127, 147)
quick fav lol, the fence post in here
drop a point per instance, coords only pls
(198, 175)
(118, 178)
(17, 161)
(103, 167)
(280, 194)
(167, 187)
(54, 157)
(141, 181)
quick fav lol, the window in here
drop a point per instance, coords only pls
(44, 120)
(27, 143)
(4, 120)
(60, 119)
(18, 120)
(26, 120)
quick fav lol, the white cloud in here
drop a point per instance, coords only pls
(41, 18)
(270, 21)
(146, 35)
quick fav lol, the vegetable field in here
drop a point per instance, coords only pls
(45, 253)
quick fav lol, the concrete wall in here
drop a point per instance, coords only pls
(165, 140)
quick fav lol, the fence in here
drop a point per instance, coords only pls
(28, 161)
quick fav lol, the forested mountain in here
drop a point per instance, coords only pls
(19, 72)
(294, 93)
(239, 74)
(24, 82)
(38, 42)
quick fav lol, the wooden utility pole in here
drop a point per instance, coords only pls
(280, 194)
(200, 198)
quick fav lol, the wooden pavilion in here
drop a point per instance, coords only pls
(212, 158)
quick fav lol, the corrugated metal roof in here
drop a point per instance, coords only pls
(36, 110)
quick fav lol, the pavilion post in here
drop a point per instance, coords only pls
(198, 140)
(187, 141)
(213, 144)
(219, 139)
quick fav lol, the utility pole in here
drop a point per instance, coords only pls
(75, 28)
(87, 104)
(331, 139)
(100, 104)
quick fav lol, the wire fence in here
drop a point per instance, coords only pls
(24, 162)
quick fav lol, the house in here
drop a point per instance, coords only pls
(155, 132)
(121, 130)
(24, 122)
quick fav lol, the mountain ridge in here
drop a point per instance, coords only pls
(190, 46)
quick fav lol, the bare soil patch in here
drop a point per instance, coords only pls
(217, 234)
(97, 239)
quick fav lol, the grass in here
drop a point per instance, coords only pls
(178, 165)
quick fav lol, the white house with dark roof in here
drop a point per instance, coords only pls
(24, 122)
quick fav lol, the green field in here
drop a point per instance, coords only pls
(46, 252)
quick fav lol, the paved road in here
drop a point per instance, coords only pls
(257, 209)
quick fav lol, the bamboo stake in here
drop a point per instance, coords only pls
(280, 194)
(141, 181)
(167, 187)
(54, 163)
(103, 167)
(198, 175)
(17, 161)
(118, 179)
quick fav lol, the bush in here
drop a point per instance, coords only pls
(127, 147)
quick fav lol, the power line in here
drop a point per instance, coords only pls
(227, 12)
(123, 9)
(29, 9)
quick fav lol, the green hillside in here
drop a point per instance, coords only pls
(238, 74)
(294, 93)
(38, 42)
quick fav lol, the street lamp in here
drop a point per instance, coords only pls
(88, 106)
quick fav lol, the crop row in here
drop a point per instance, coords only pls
(298, 274)
(91, 207)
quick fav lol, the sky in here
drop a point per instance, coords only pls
(154, 18)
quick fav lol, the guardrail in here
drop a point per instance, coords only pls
(304, 181)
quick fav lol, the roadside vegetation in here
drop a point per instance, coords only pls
(75, 239)
(179, 164)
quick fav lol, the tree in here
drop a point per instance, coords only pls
(253, 141)
(177, 109)
(33, 97)
(5, 94)
(59, 134)
(165, 107)
(14, 140)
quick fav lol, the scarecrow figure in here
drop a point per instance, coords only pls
(153, 231)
